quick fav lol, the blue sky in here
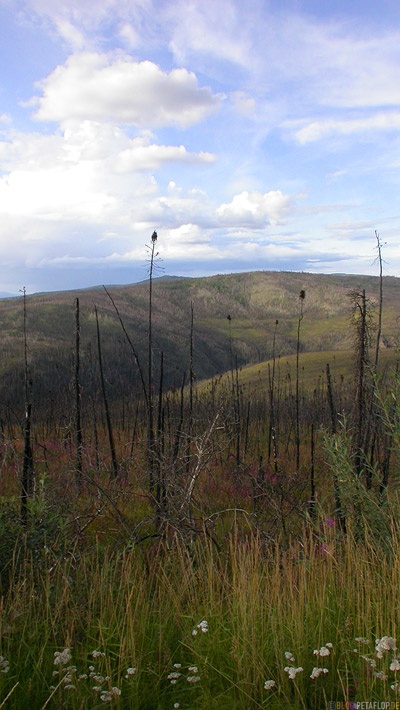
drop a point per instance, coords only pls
(257, 135)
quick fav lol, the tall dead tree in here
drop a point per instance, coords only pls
(150, 404)
(361, 316)
(380, 306)
(27, 463)
(78, 423)
(302, 296)
(105, 401)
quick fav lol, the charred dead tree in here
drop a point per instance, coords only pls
(302, 296)
(27, 479)
(361, 410)
(78, 392)
(272, 442)
(150, 384)
(105, 400)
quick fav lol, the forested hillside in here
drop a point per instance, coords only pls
(254, 301)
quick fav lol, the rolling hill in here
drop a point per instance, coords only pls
(255, 301)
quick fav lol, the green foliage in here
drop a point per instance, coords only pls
(256, 610)
(367, 508)
(40, 541)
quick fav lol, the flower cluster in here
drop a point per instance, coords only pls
(70, 678)
(292, 671)
(317, 672)
(203, 626)
(386, 643)
(62, 657)
(323, 651)
(130, 672)
(108, 695)
(191, 677)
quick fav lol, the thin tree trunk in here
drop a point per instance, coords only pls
(379, 331)
(106, 408)
(78, 423)
(150, 407)
(301, 301)
(27, 464)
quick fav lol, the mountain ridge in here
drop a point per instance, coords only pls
(253, 300)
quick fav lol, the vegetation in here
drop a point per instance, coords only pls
(230, 543)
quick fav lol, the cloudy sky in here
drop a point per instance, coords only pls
(251, 135)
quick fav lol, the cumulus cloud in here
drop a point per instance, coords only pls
(255, 209)
(90, 170)
(101, 87)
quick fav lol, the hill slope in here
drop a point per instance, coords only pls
(253, 300)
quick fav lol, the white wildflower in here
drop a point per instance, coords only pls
(173, 681)
(177, 665)
(130, 671)
(395, 687)
(386, 643)
(98, 654)
(62, 657)
(292, 671)
(203, 625)
(106, 697)
(193, 669)
(317, 672)
(361, 639)
(193, 678)
(289, 656)
(99, 679)
(174, 675)
(83, 676)
(194, 632)
(371, 661)
(91, 668)
(269, 684)
(69, 687)
(329, 645)
(323, 651)
(176, 706)
(395, 665)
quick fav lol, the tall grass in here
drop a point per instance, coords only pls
(256, 601)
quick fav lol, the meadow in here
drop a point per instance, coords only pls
(226, 543)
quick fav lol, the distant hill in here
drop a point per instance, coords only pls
(253, 300)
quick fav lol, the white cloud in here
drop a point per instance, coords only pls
(69, 32)
(255, 209)
(143, 156)
(101, 87)
(89, 171)
(220, 29)
(317, 130)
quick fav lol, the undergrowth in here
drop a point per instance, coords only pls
(252, 626)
